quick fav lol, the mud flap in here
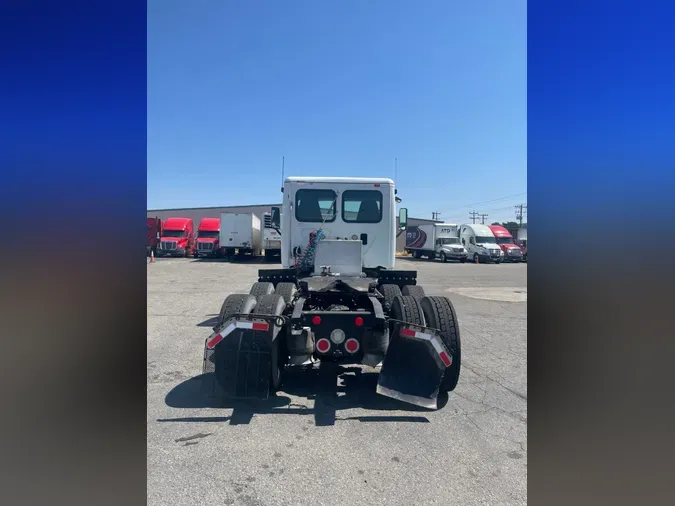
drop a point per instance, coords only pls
(414, 365)
(240, 355)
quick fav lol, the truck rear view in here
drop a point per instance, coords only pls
(337, 299)
(240, 233)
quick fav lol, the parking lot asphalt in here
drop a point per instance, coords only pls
(337, 444)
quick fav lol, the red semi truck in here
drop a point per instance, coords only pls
(512, 252)
(154, 226)
(177, 238)
(208, 238)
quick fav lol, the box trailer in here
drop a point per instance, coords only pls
(435, 240)
(240, 233)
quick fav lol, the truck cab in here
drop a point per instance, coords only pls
(208, 238)
(480, 243)
(339, 208)
(512, 252)
(177, 238)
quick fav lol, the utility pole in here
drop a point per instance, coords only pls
(482, 218)
(473, 215)
(435, 215)
(521, 209)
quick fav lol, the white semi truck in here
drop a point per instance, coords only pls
(435, 240)
(240, 233)
(337, 299)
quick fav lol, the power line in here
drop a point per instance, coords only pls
(488, 201)
(521, 209)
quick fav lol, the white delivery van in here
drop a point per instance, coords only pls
(240, 232)
(435, 240)
(480, 243)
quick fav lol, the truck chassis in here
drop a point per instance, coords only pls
(382, 318)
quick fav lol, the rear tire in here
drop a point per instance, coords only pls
(276, 305)
(414, 290)
(390, 292)
(407, 308)
(236, 303)
(261, 288)
(287, 291)
(440, 315)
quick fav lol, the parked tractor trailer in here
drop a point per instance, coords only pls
(435, 240)
(177, 238)
(208, 238)
(337, 299)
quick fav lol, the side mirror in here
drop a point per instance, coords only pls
(402, 218)
(276, 218)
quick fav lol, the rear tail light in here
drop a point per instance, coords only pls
(316, 320)
(358, 321)
(323, 345)
(352, 346)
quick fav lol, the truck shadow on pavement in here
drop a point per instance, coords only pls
(355, 386)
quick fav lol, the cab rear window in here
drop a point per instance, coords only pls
(362, 206)
(315, 206)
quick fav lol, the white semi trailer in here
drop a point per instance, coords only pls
(240, 233)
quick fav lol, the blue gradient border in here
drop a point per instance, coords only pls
(73, 198)
(601, 177)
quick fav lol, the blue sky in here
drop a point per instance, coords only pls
(339, 88)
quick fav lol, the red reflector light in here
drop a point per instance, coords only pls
(316, 320)
(352, 345)
(358, 321)
(261, 326)
(408, 332)
(446, 360)
(214, 341)
(323, 345)
(376, 185)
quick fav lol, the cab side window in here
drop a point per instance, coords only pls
(472, 241)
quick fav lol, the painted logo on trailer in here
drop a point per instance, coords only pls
(415, 237)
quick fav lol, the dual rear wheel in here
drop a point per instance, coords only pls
(437, 313)
(263, 304)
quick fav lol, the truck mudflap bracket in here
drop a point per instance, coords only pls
(239, 352)
(414, 365)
